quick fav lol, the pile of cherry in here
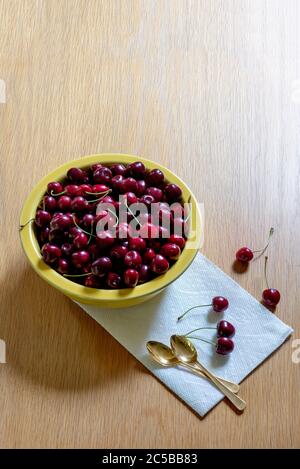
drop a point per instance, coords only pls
(67, 218)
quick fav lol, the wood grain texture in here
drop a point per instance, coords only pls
(206, 87)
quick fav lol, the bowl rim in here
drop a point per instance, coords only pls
(92, 295)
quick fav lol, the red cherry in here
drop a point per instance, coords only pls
(270, 296)
(171, 251)
(147, 200)
(105, 239)
(133, 259)
(67, 249)
(76, 175)
(116, 182)
(224, 345)
(88, 220)
(220, 304)
(49, 203)
(136, 169)
(225, 329)
(148, 230)
(156, 193)
(64, 203)
(101, 266)
(155, 178)
(42, 218)
(172, 192)
(99, 189)
(84, 188)
(118, 169)
(44, 235)
(54, 188)
(72, 190)
(144, 273)
(50, 253)
(131, 277)
(128, 185)
(113, 280)
(79, 204)
(91, 281)
(102, 175)
(137, 244)
(159, 265)
(118, 252)
(63, 266)
(244, 254)
(148, 256)
(176, 239)
(141, 187)
(96, 166)
(80, 258)
(80, 241)
(61, 222)
(129, 198)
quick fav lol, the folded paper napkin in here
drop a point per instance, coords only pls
(258, 332)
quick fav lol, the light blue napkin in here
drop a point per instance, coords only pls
(258, 332)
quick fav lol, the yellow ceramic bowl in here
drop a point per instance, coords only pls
(110, 298)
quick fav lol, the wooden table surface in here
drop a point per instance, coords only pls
(209, 88)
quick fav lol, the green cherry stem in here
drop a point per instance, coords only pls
(194, 307)
(131, 213)
(25, 224)
(200, 338)
(267, 245)
(265, 272)
(77, 275)
(198, 329)
(56, 195)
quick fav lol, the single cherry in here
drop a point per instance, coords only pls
(76, 175)
(270, 296)
(246, 254)
(49, 203)
(136, 169)
(133, 259)
(102, 175)
(105, 239)
(61, 222)
(176, 239)
(148, 256)
(141, 187)
(131, 277)
(225, 329)
(144, 273)
(80, 258)
(50, 253)
(156, 193)
(159, 264)
(42, 218)
(137, 244)
(79, 204)
(54, 187)
(67, 249)
(113, 280)
(172, 192)
(128, 185)
(224, 346)
(155, 178)
(80, 241)
(118, 169)
(101, 266)
(171, 251)
(118, 252)
(64, 203)
(63, 266)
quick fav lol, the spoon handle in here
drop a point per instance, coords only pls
(234, 387)
(239, 403)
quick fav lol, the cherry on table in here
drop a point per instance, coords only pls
(225, 329)
(220, 304)
(245, 254)
(224, 345)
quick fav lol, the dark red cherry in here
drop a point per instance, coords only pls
(102, 175)
(87, 220)
(63, 266)
(93, 251)
(144, 273)
(113, 280)
(91, 281)
(128, 185)
(129, 198)
(244, 254)
(225, 329)
(147, 200)
(155, 177)
(271, 297)
(141, 187)
(105, 239)
(118, 169)
(148, 256)
(116, 182)
(220, 304)
(42, 218)
(44, 235)
(137, 244)
(80, 258)
(136, 169)
(72, 190)
(95, 166)
(67, 249)
(79, 204)
(118, 252)
(99, 189)
(84, 188)
(74, 231)
(54, 188)
(61, 222)
(131, 277)
(176, 239)
(50, 253)
(159, 265)
(133, 259)
(101, 266)
(224, 345)
(172, 192)
(64, 203)
(156, 193)
(171, 251)
(76, 175)
(56, 236)
(80, 241)
(49, 203)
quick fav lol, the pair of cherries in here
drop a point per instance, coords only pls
(270, 296)
(225, 330)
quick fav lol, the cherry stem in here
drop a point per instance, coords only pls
(200, 338)
(77, 275)
(199, 329)
(23, 226)
(198, 306)
(79, 227)
(266, 279)
(99, 193)
(57, 194)
(130, 211)
(268, 242)
(100, 198)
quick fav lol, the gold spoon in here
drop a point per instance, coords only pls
(165, 356)
(187, 353)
